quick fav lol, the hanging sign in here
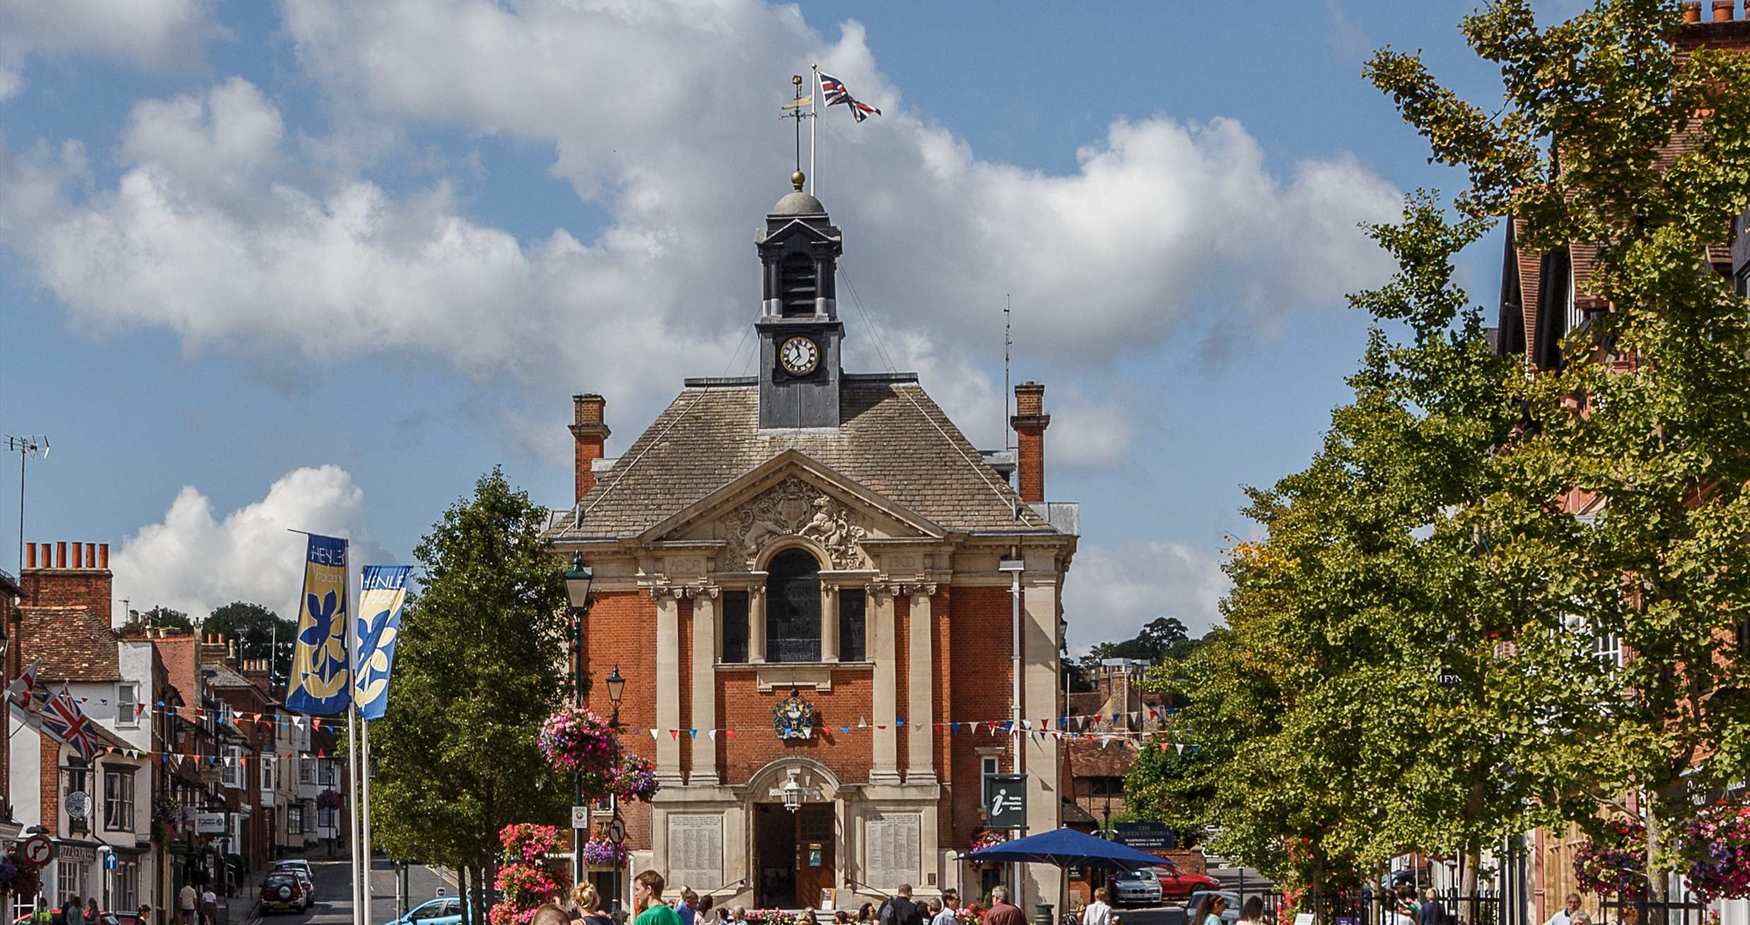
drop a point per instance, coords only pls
(209, 823)
(37, 850)
(78, 804)
(1005, 801)
(320, 675)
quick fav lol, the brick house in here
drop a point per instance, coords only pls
(832, 541)
(93, 804)
(1545, 297)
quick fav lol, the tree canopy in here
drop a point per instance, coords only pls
(257, 630)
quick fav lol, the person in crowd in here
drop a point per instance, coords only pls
(550, 914)
(866, 912)
(738, 914)
(144, 914)
(41, 913)
(1214, 905)
(684, 908)
(647, 899)
(92, 915)
(1252, 912)
(209, 906)
(900, 910)
(588, 905)
(72, 913)
(1580, 918)
(1001, 912)
(1429, 914)
(949, 907)
(1199, 909)
(841, 917)
(806, 918)
(1565, 915)
(1403, 913)
(185, 902)
(1097, 912)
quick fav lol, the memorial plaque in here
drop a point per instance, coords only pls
(695, 850)
(891, 849)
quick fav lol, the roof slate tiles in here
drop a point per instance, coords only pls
(68, 644)
(893, 440)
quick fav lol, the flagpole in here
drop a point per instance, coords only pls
(365, 786)
(813, 127)
(352, 793)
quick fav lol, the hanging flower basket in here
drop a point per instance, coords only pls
(985, 838)
(635, 778)
(599, 852)
(1715, 846)
(1614, 864)
(576, 741)
(770, 917)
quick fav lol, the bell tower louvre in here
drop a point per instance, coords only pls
(835, 617)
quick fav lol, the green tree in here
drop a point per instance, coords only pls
(162, 617)
(1646, 422)
(479, 666)
(258, 631)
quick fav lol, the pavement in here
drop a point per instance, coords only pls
(334, 904)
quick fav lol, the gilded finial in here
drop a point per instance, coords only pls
(797, 179)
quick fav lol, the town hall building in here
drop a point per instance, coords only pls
(813, 581)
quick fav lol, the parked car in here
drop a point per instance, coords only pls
(298, 863)
(1229, 915)
(282, 891)
(1137, 888)
(444, 910)
(1179, 884)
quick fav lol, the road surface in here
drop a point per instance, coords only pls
(333, 904)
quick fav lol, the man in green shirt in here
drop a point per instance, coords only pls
(648, 901)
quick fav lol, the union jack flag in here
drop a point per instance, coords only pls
(63, 719)
(834, 92)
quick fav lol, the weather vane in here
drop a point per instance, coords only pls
(800, 107)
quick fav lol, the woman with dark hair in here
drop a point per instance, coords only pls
(866, 912)
(1252, 913)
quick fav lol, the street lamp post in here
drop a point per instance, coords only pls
(578, 578)
(616, 690)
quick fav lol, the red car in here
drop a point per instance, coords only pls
(1178, 884)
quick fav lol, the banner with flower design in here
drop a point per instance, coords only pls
(382, 592)
(320, 670)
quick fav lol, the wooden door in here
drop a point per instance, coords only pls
(815, 838)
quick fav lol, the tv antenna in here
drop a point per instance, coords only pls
(26, 447)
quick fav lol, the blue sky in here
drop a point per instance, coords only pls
(319, 265)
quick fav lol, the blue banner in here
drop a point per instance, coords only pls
(319, 682)
(380, 600)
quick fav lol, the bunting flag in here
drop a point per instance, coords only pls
(320, 673)
(381, 598)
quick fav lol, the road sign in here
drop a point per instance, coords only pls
(107, 855)
(37, 850)
(1005, 801)
(78, 804)
(617, 831)
(580, 817)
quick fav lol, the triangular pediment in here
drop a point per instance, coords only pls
(800, 226)
(793, 497)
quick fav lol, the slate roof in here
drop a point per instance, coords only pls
(68, 644)
(893, 440)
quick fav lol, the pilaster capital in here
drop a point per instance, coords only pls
(925, 589)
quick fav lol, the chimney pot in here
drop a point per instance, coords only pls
(1722, 10)
(60, 554)
(1030, 421)
(103, 556)
(91, 555)
(30, 555)
(590, 430)
(1691, 11)
(78, 556)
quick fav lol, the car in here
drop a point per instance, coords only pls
(1180, 884)
(1229, 915)
(444, 910)
(1137, 888)
(282, 891)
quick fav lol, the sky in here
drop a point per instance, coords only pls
(319, 265)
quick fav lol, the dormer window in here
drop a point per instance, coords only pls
(799, 285)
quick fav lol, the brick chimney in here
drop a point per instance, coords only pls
(50, 579)
(213, 649)
(1030, 421)
(1722, 10)
(591, 435)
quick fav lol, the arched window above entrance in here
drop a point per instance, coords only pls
(793, 607)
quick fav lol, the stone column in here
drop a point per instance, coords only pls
(756, 624)
(920, 715)
(668, 683)
(1039, 631)
(829, 622)
(885, 769)
(703, 746)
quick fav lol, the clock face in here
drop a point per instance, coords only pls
(799, 356)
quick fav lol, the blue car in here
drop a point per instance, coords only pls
(444, 910)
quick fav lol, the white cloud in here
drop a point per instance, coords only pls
(154, 34)
(237, 235)
(1112, 591)
(194, 560)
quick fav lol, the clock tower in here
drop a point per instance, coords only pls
(799, 327)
